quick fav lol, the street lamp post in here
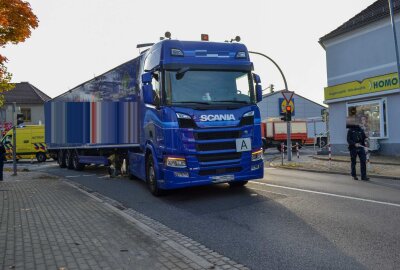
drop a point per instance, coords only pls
(289, 141)
(14, 143)
(395, 37)
(280, 70)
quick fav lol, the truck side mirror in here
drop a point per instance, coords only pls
(147, 88)
(147, 77)
(258, 92)
(257, 80)
(148, 97)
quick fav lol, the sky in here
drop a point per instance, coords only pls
(79, 39)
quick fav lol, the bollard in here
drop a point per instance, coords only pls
(283, 152)
(330, 154)
(368, 162)
(297, 150)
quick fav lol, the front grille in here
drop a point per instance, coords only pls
(220, 171)
(218, 157)
(215, 146)
(218, 135)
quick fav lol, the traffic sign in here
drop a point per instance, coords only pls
(288, 95)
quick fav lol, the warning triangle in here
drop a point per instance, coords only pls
(288, 95)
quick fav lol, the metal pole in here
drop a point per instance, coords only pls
(395, 37)
(289, 141)
(280, 70)
(14, 148)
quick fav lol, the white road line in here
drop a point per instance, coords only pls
(269, 168)
(263, 190)
(72, 176)
(103, 176)
(328, 194)
(87, 175)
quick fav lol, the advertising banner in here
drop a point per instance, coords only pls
(369, 85)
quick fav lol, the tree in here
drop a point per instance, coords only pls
(16, 22)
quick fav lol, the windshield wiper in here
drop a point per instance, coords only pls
(194, 102)
(233, 101)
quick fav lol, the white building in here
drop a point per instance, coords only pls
(362, 78)
(29, 102)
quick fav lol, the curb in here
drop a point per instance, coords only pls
(347, 161)
(339, 173)
(127, 213)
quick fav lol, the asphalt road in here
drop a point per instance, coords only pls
(288, 220)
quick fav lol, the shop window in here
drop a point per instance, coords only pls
(26, 113)
(371, 116)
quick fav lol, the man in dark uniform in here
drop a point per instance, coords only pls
(2, 156)
(356, 140)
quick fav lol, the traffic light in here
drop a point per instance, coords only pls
(287, 117)
(288, 113)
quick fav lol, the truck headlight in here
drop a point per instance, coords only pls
(176, 162)
(257, 155)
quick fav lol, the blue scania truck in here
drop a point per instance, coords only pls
(183, 113)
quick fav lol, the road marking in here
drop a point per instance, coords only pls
(328, 194)
(269, 168)
(263, 190)
(72, 176)
(104, 176)
(87, 175)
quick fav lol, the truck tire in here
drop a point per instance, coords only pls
(68, 160)
(237, 184)
(41, 157)
(151, 180)
(61, 159)
(75, 163)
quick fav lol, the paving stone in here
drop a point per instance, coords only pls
(48, 224)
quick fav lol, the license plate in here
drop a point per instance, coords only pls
(222, 178)
(243, 145)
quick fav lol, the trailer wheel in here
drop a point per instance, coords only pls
(61, 159)
(75, 163)
(151, 177)
(237, 184)
(68, 160)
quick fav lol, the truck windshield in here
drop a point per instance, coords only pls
(208, 87)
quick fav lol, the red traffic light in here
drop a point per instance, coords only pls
(288, 108)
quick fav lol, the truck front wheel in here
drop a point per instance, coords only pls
(151, 178)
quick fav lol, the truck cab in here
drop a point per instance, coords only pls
(201, 123)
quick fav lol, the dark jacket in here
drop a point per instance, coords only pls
(2, 151)
(355, 135)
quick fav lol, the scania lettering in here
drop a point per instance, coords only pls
(217, 117)
(182, 113)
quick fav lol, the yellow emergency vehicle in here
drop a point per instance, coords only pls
(29, 141)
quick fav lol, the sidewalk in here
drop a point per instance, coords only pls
(47, 223)
(379, 167)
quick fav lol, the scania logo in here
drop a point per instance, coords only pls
(217, 117)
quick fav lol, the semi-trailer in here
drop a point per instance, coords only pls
(182, 113)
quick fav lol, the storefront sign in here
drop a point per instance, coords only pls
(370, 85)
